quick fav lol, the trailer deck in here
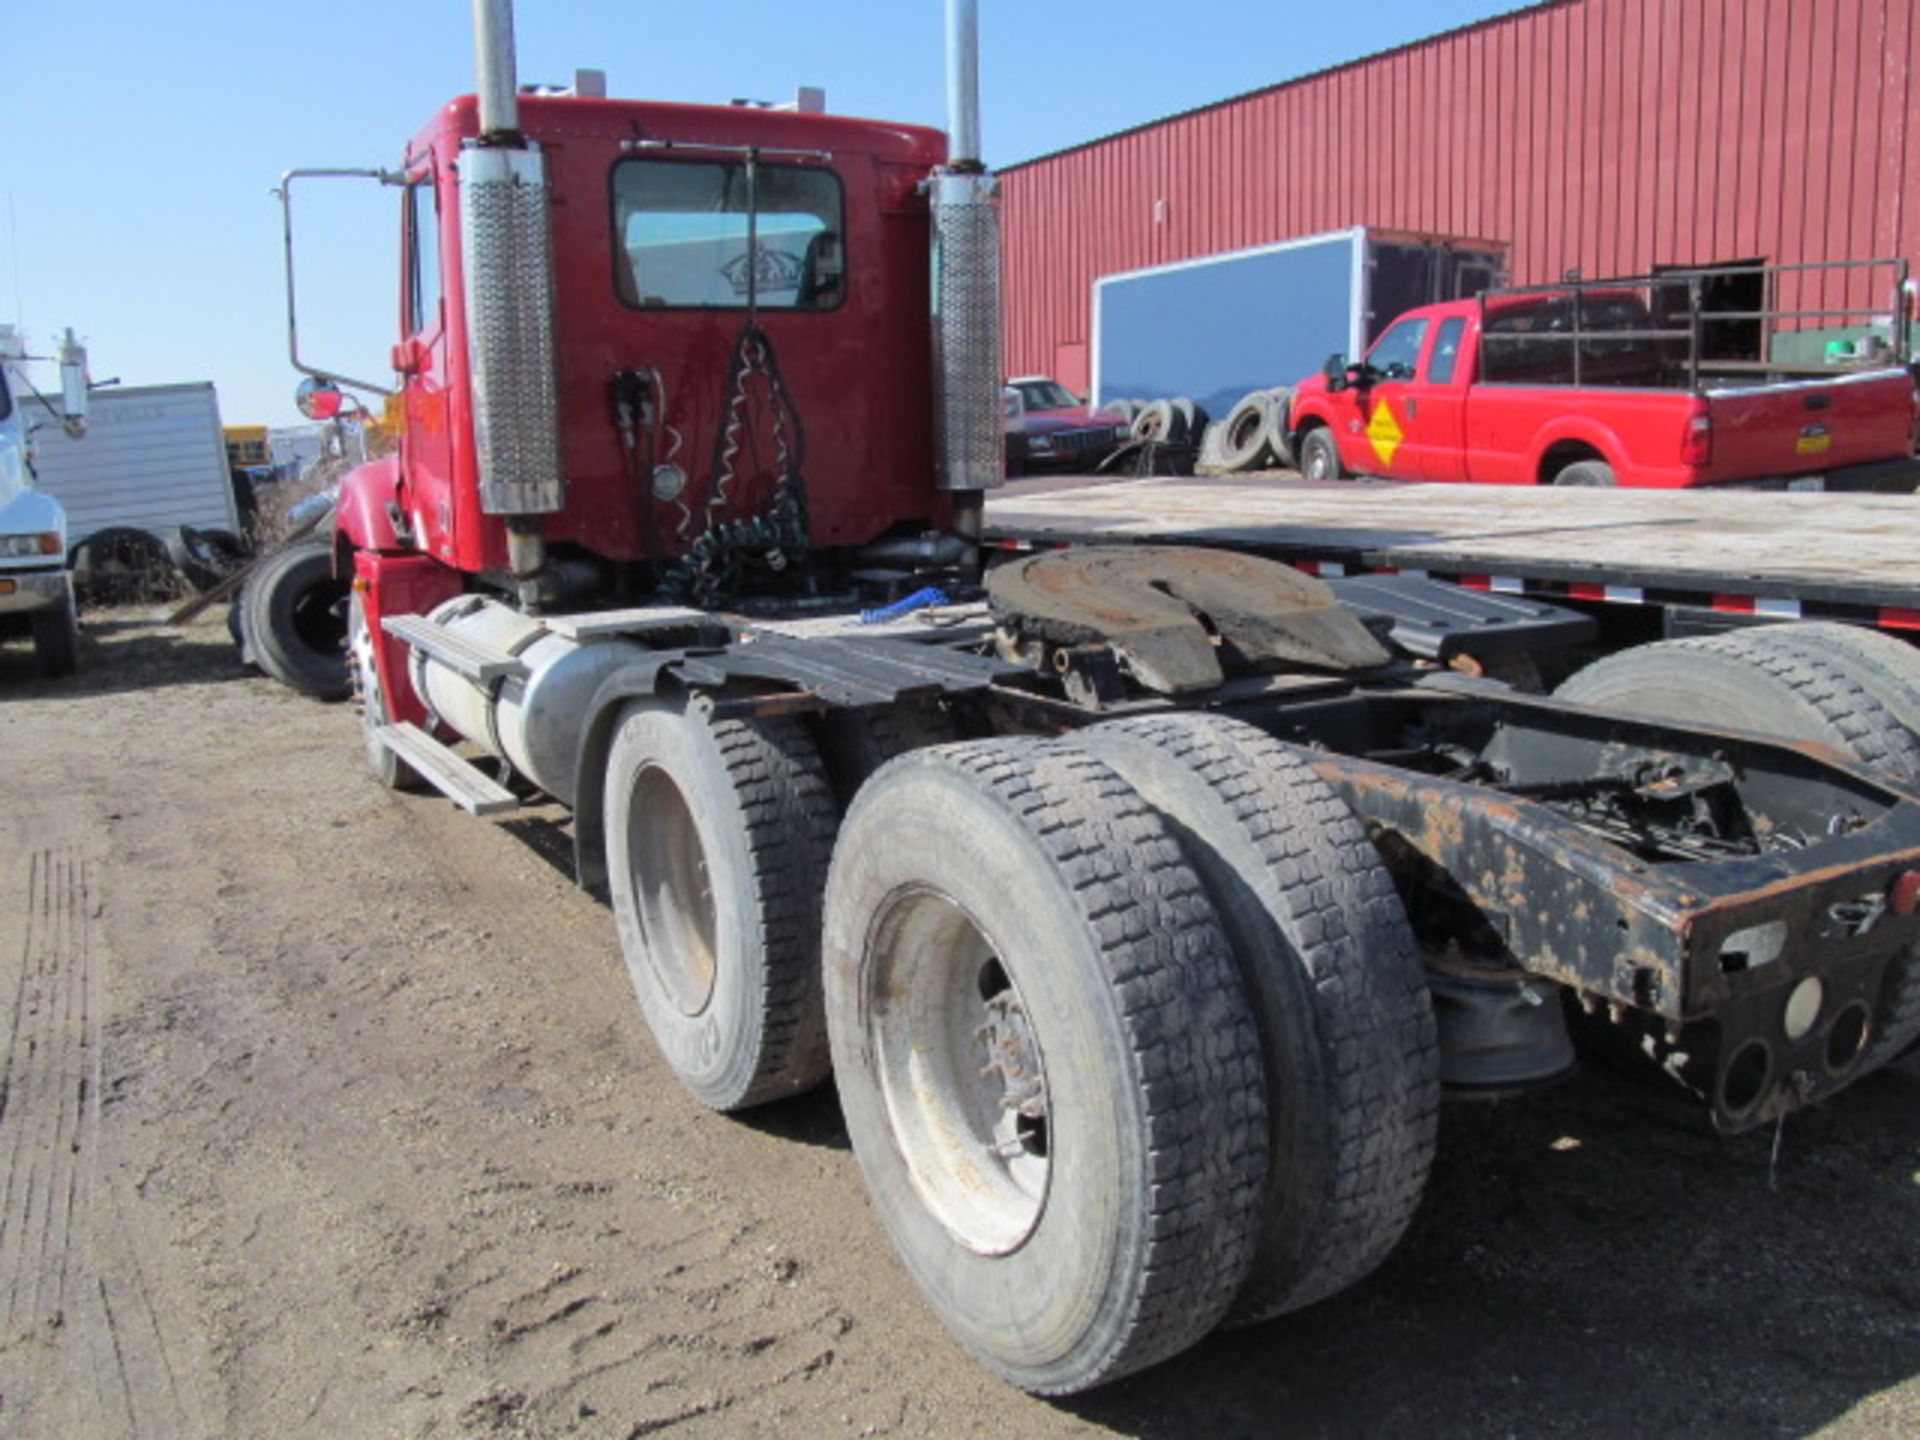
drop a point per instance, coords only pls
(1781, 554)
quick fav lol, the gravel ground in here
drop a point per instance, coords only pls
(327, 1112)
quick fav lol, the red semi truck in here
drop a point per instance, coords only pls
(1613, 382)
(1142, 903)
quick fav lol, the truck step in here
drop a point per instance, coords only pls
(481, 664)
(457, 779)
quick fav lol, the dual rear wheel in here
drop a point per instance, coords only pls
(1128, 1028)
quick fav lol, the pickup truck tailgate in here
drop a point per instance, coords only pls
(1807, 426)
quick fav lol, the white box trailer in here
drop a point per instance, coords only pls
(1215, 328)
(153, 459)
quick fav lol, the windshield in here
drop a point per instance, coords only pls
(6, 398)
(1045, 395)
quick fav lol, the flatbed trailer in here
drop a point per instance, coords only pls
(1646, 563)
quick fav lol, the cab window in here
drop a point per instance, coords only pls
(1395, 353)
(680, 235)
(1446, 350)
(423, 257)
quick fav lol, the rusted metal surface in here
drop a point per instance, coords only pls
(1691, 962)
(1169, 613)
(1611, 136)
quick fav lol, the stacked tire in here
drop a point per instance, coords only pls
(1254, 434)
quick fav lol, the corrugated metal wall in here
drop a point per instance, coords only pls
(1608, 135)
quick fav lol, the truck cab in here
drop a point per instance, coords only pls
(1595, 383)
(36, 587)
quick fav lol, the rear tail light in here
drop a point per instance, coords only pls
(1696, 445)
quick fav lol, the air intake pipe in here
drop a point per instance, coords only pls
(507, 260)
(966, 291)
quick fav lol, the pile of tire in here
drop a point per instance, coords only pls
(1164, 437)
(290, 620)
(1254, 434)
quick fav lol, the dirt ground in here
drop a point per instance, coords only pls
(327, 1112)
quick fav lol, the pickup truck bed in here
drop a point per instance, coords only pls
(1781, 554)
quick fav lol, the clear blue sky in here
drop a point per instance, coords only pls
(142, 139)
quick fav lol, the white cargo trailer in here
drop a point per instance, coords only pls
(1216, 328)
(153, 459)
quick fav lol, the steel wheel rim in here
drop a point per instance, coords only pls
(961, 1072)
(673, 891)
(365, 672)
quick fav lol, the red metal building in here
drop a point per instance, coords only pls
(1611, 136)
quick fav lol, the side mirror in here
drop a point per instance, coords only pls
(1359, 376)
(1336, 370)
(318, 399)
(73, 385)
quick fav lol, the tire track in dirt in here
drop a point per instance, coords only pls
(69, 1277)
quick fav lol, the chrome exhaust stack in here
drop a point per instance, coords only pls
(507, 262)
(966, 292)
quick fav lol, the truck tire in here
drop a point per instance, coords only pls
(1319, 456)
(1154, 420)
(1886, 668)
(855, 743)
(1735, 677)
(1189, 421)
(296, 621)
(1783, 690)
(1336, 987)
(122, 564)
(1280, 425)
(203, 558)
(382, 764)
(1246, 434)
(718, 836)
(56, 640)
(1593, 474)
(1889, 671)
(1046, 1064)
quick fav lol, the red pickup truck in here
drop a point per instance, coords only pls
(1587, 385)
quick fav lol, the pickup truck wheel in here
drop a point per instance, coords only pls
(1319, 456)
(382, 764)
(1594, 474)
(718, 835)
(56, 640)
(296, 621)
(1336, 986)
(1792, 691)
(1045, 1061)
